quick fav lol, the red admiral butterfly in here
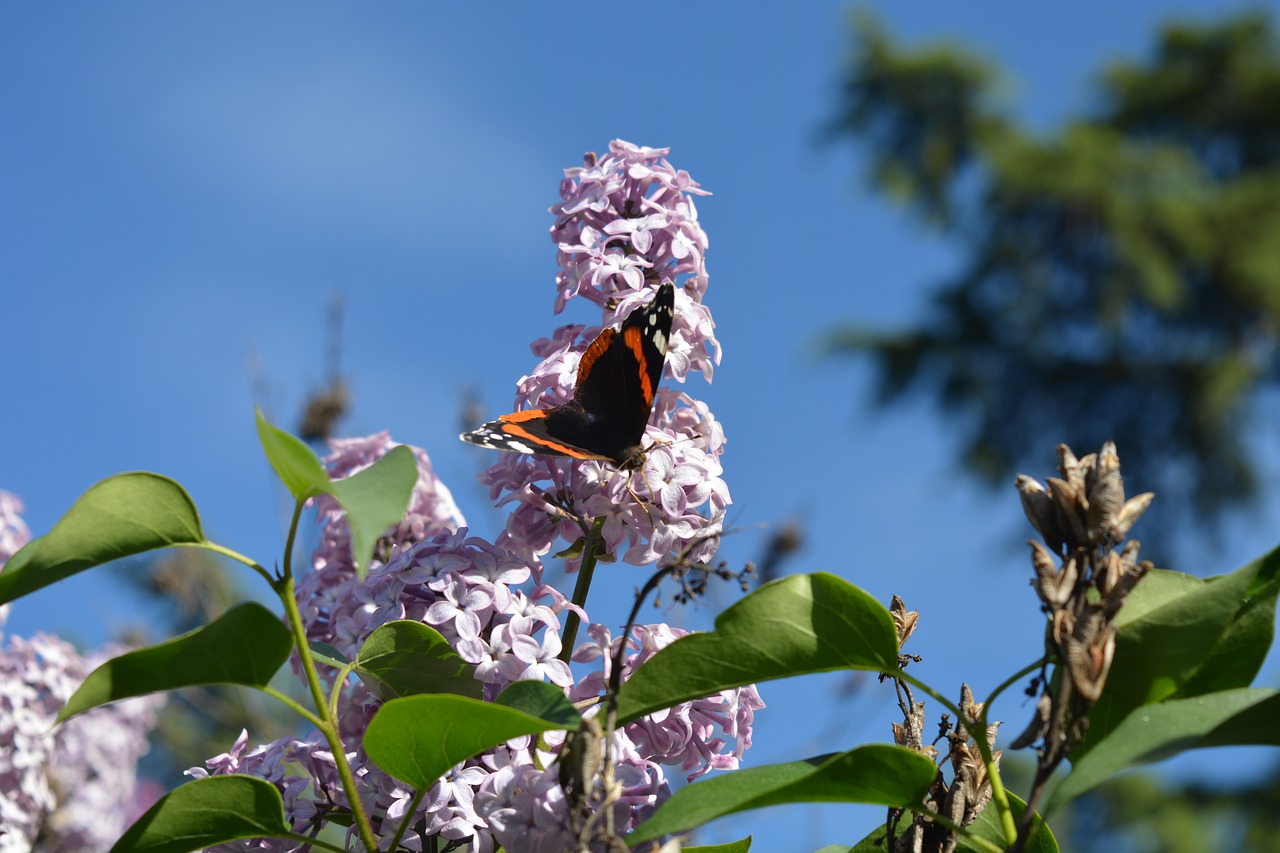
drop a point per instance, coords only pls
(618, 376)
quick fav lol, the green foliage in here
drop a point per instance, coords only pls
(121, 516)
(246, 645)
(418, 738)
(879, 774)
(1246, 716)
(207, 812)
(374, 498)
(740, 846)
(404, 658)
(791, 626)
(1121, 276)
(985, 829)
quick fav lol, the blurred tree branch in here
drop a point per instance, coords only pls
(1121, 276)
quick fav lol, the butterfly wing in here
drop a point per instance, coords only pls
(561, 431)
(618, 376)
(619, 373)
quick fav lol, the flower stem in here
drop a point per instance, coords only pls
(590, 549)
(329, 722)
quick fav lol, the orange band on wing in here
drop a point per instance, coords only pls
(509, 426)
(636, 344)
(526, 415)
(589, 358)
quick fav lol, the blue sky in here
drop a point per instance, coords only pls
(183, 185)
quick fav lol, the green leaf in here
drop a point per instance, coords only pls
(792, 626)
(327, 654)
(404, 658)
(418, 738)
(1245, 716)
(206, 812)
(987, 827)
(1238, 656)
(294, 463)
(541, 700)
(879, 774)
(575, 549)
(740, 846)
(376, 498)
(121, 516)
(246, 645)
(1161, 646)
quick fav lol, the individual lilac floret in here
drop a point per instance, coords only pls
(74, 785)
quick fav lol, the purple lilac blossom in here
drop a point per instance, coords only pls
(491, 606)
(626, 222)
(71, 784)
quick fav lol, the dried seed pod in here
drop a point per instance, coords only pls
(1038, 507)
(1089, 651)
(1070, 505)
(1131, 512)
(1068, 464)
(1108, 459)
(1116, 596)
(904, 621)
(1106, 499)
(1086, 472)
(1053, 584)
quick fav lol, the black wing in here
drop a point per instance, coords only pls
(619, 373)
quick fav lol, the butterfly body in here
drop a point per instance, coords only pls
(618, 376)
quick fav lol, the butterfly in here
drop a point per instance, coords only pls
(618, 377)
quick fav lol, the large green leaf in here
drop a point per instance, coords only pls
(206, 812)
(1175, 629)
(986, 827)
(792, 626)
(121, 516)
(374, 498)
(404, 658)
(246, 645)
(879, 774)
(1245, 716)
(418, 738)
(1238, 655)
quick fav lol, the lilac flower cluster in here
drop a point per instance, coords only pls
(71, 785)
(626, 222)
(492, 607)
